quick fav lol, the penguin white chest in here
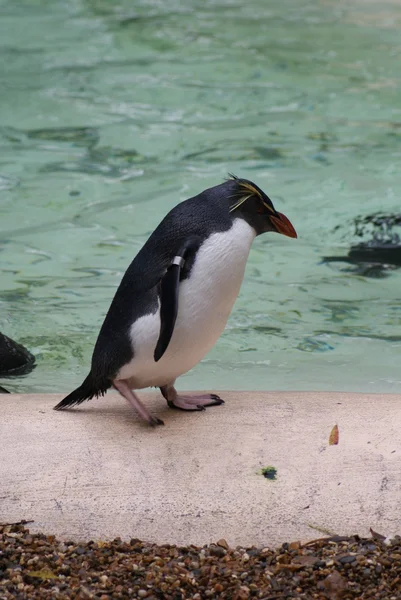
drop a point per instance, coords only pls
(205, 302)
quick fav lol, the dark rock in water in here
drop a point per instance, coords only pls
(3, 390)
(78, 136)
(15, 360)
(380, 252)
(379, 227)
(389, 254)
(372, 253)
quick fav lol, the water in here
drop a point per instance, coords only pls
(112, 112)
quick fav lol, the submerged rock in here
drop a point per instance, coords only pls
(15, 360)
(380, 251)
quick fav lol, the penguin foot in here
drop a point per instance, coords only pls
(184, 402)
(195, 402)
(124, 389)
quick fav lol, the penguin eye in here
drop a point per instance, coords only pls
(260, 210)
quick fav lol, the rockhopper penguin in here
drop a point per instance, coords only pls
(176, 296)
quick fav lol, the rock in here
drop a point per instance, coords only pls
(217, 551)
(106, 570)
(344, 560)
(379, 245)
(14, 358)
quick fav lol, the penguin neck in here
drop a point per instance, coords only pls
(224, 254)
(243, 232)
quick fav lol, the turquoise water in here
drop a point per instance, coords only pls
(112, 112)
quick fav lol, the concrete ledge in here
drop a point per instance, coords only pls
(97, 472)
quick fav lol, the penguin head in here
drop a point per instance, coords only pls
(250, 203)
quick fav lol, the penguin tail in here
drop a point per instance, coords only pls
(87, 390)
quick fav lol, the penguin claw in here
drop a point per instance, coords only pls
(154, 421)
(217, 399)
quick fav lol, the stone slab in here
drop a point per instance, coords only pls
(98, 472)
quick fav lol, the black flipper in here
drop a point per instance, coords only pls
(3, 390)
(168, 309)
(86, 391)
(170, 283)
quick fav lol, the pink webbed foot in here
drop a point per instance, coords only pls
(122, 387)
(186, 402)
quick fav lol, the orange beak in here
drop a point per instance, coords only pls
(283, 225)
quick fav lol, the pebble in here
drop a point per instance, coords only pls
(347, 559)
(36, 567)
(217, 551)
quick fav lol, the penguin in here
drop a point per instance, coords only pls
(174, 300)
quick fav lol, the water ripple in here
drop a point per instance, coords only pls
(112, 112)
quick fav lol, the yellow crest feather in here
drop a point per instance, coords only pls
(249, 191)
(250, 188)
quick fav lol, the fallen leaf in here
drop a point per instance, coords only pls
(377, 536)
(283, 559)
(324, 540)
(334, 436)
(288, 567)
(43, 574)
(295, 545)
(334, 586)
(322, 530)
(242, 593)
(23, 522)
(306, 560)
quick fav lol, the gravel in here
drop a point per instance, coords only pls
(34, 566)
